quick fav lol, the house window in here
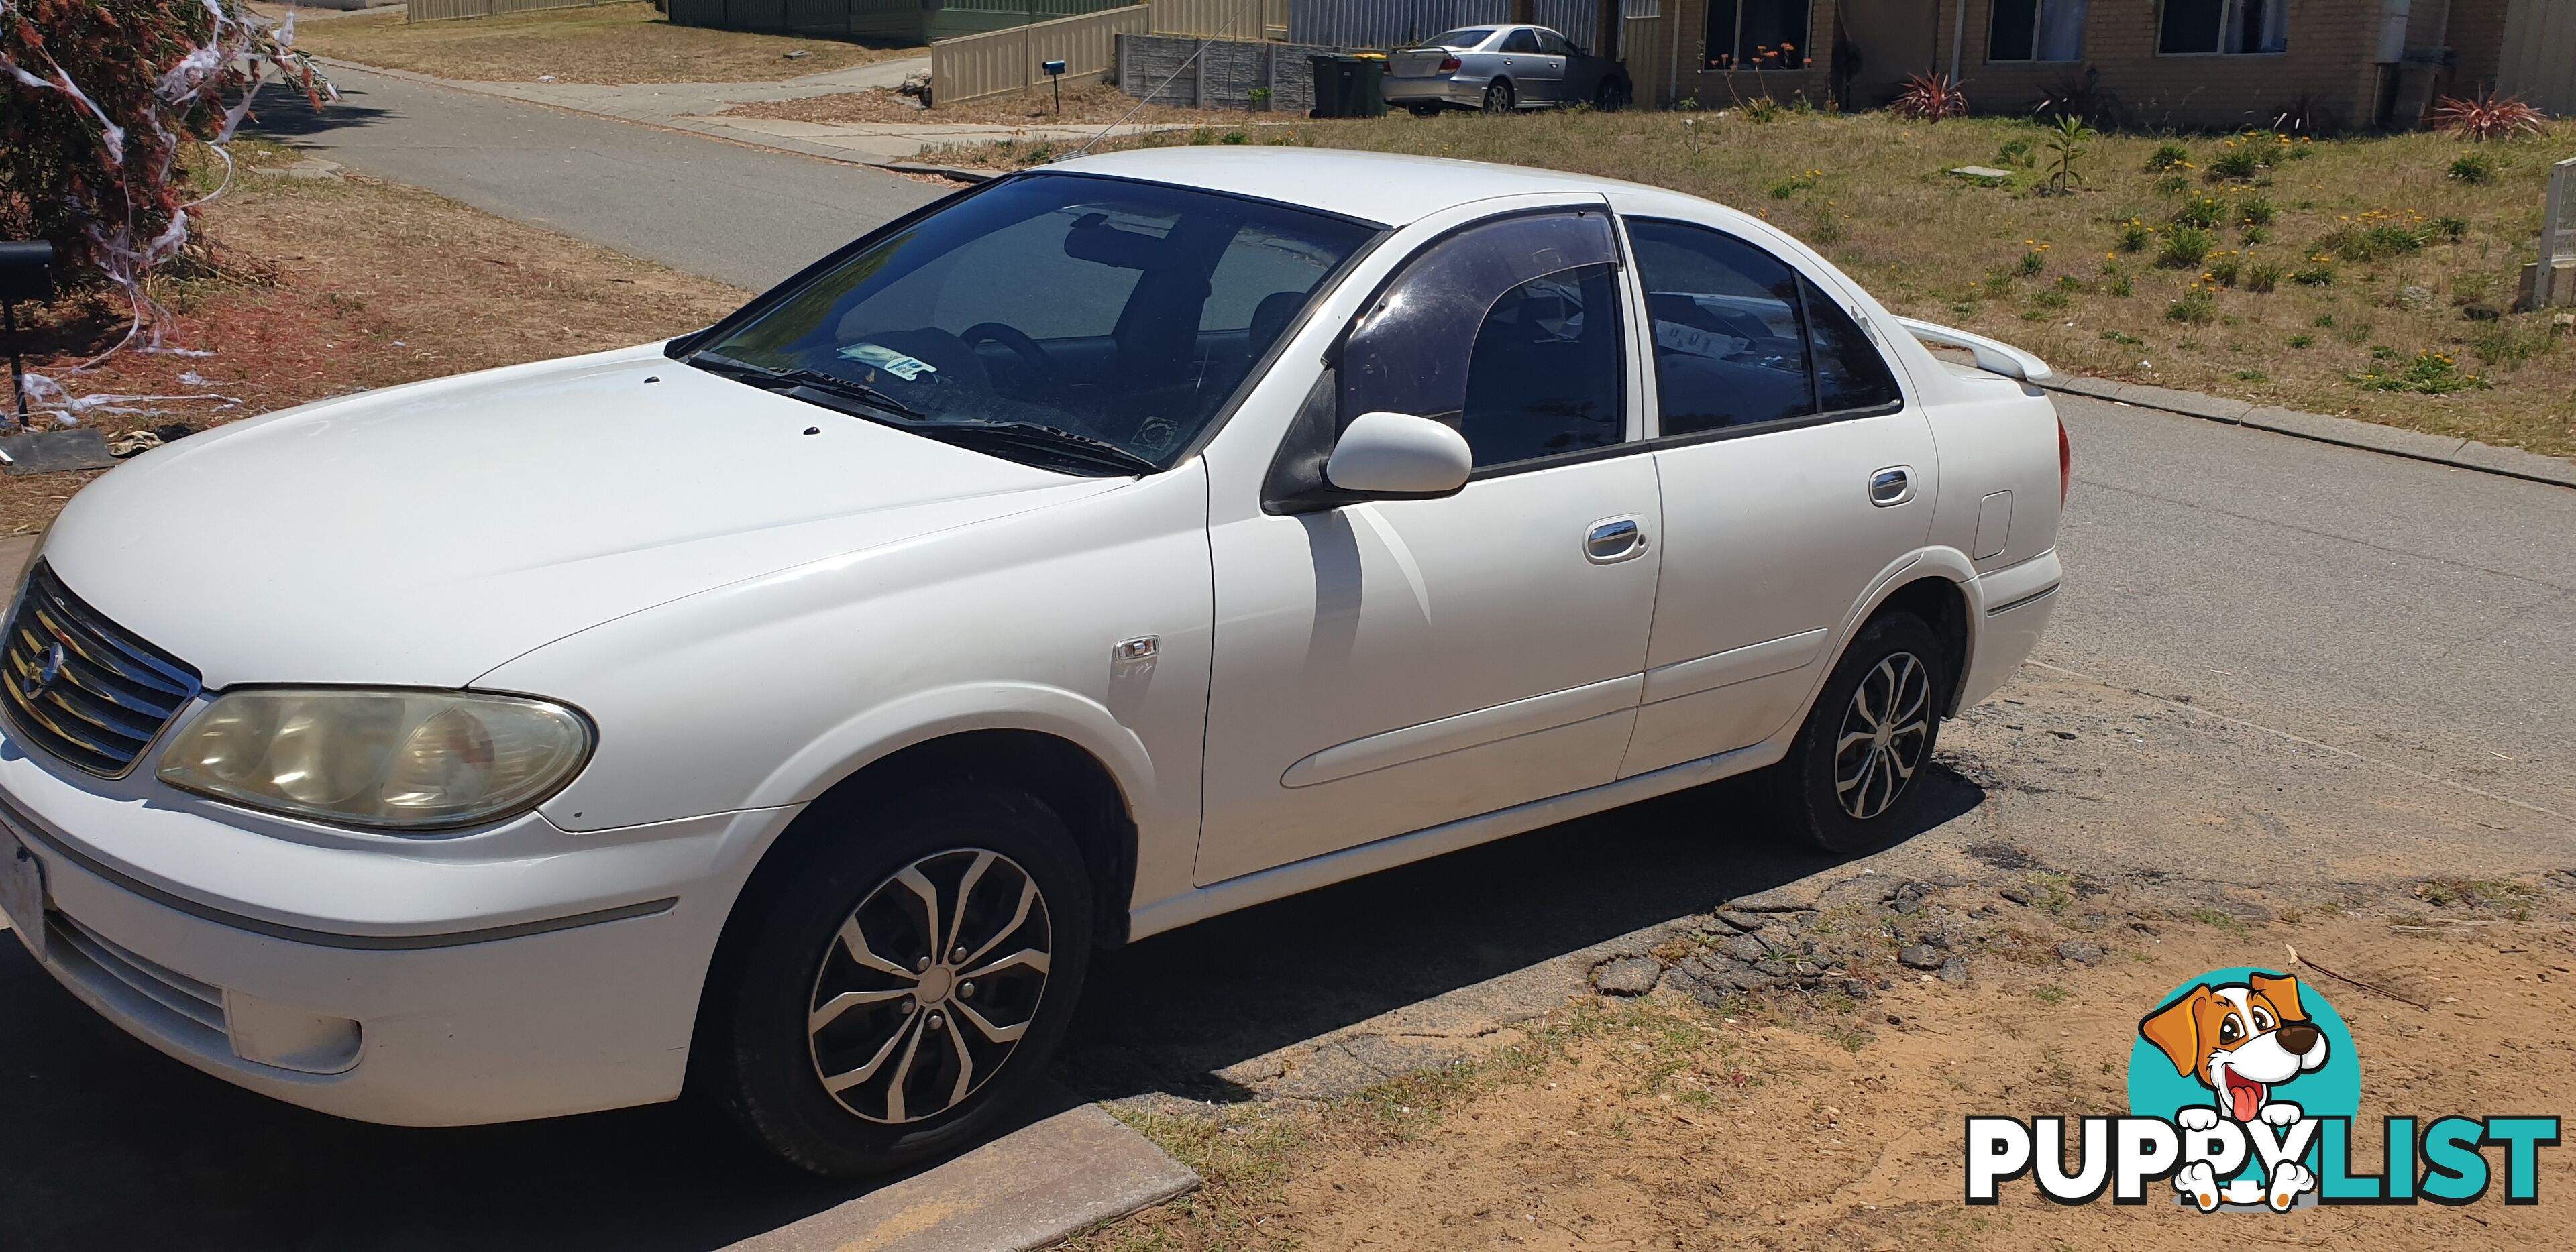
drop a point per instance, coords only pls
(1757, 34)
(2193, 27)
(2036, 30)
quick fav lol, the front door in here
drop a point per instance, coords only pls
(1389, 666)
(1793, 477)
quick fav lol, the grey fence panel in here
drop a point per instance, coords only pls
(1396, 23)
(1225, 75)
(436, 10)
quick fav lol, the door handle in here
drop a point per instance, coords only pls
(1891, 486)
(1614, 540)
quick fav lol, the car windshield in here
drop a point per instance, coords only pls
(1086, 324)
(1468, 38)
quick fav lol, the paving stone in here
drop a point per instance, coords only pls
(1025, 1190)
(1746, 948)
(1629, 976)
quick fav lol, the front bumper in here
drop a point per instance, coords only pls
(1450, 91)
(357, 1005)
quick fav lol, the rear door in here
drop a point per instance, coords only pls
(1534, 79)
(1795, 477)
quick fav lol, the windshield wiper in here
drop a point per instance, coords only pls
(1062, 444)
(816, 380)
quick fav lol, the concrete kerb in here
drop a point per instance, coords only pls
(2451, 450)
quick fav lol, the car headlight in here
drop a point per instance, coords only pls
(401, 760)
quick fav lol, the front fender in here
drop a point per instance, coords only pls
(922, 716)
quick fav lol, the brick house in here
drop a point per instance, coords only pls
(2345, 64)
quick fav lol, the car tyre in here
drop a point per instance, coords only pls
(1612, 96)
(795, 1009)
(1499, 97)
(1855, 771)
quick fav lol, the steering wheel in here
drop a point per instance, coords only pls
(1032, 356)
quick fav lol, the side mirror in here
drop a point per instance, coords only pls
(1397, 456)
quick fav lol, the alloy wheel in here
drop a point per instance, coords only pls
(1885, 731)
(927, 987)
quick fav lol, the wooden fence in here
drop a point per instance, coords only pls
(433, 10)
(990, 64)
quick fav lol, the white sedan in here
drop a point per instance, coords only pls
(785, 712)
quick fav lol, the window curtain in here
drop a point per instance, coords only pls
(2061, 31)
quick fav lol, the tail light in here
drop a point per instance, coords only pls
(2065, 463)
(1450, 65)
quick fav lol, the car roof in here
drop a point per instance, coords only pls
(1385, 187)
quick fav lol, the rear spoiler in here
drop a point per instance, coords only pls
(1992, 356)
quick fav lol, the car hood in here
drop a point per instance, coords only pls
(427, 533)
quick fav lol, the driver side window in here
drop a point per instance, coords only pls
(1508, 331)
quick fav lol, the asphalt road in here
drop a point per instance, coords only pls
(736, 214)
(2417, 614)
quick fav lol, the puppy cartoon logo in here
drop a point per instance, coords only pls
(2243, 1091)
(2242, 1041)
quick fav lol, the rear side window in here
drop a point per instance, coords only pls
(1508, 331)
(1742, 340)
(1520, 41)
(1850, 374)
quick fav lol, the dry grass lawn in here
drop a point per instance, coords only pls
(610, 43)
(336, 285)
(2360, 276)
(1092, 104)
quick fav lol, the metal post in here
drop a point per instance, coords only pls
(17, 369)
(2551, 280)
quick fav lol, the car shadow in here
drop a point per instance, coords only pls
(111, 1144)
(1164, 1014)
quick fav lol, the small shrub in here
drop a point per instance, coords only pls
(2487, 116)
(2451, 229)
(2430, 373)
(2204, 212)
(2252, 376)
(2035, 260)
(2168, 156)
(2133, 236)
(2120, 287)
(2049, 298)
(2236, 160)
(2323, 320)
(2314, 274)
(2255, 211)
(1999, 283)
(2263, 277)
(2374, 236)
(2014, 152)
(2125, 339)
(1762, 109)
(2184, 247)
(2067, 146)
(2303, 342)
(2197, 307)
(2172, 185)
(2255, 235)
(1232, 136)
(2476, 169)
(2223, 269)
(1260, 98)
(1929, 98)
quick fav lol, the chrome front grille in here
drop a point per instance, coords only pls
(78, 686)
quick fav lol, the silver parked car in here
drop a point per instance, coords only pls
(1499, 69)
